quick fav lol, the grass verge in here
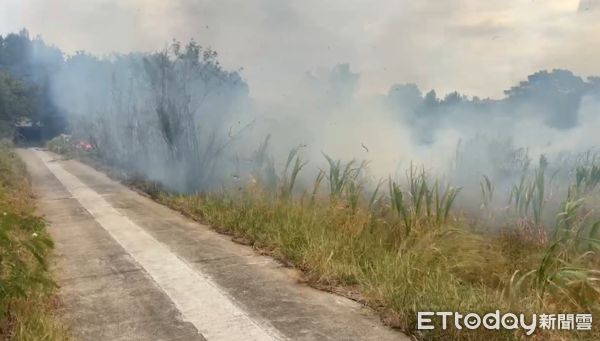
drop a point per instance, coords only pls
(27, 292)
(412, 254)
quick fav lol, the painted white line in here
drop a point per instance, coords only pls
(200, 301)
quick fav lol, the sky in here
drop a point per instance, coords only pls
(476, 47)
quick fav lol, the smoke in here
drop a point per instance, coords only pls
(587, 5)
(474, 47)
(441, 45)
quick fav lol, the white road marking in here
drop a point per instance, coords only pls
(200, 301)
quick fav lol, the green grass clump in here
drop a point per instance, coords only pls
(27, 291)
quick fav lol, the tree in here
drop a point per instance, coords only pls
(17, 102)
(33, 62)
(557, 94)
(453, 98)
(405, 97)
(430, 104)
(15, 53)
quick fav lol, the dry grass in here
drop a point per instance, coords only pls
(437, 268)
(27, 296)
(410, 250)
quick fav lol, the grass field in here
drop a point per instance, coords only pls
(27, 292)
(402, 249)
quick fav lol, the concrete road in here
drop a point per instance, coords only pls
(131, 269)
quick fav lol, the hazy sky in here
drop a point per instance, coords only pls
(478, 47)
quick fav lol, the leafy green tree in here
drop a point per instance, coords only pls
(17, 102)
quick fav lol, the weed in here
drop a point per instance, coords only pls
(26, 287)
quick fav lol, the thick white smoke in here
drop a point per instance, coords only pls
(474, 47)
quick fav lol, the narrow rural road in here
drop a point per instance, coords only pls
(131, 269)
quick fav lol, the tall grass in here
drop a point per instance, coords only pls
(411, 249)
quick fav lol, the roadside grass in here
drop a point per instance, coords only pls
(27, 292)
(438, 267)
(408, 249)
